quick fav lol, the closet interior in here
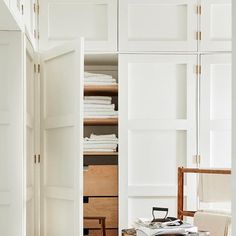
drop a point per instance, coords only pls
(100, 144)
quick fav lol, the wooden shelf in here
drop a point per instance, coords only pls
(100, 153)
(100, 121)
(101, 89)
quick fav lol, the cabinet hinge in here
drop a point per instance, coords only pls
(199, 35)
(197, 159)
(39, 68)
(199, 9)
(36, 8)
(39, 158)
(22, 9)
(198, 69)
(35, 159)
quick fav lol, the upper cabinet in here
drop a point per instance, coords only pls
(95, 20)
(158, 25)
(30, 13)
(216, 24)
(17, 9)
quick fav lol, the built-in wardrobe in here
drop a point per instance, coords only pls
(172, 63)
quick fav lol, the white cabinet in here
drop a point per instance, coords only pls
(11, 134)
(96, 20)
(215, 113)
(61, 141)
(216, 25)
(157, 130)
(157, 25)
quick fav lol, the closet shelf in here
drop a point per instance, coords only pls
(101, 89)
(100, 121)
(100, 153)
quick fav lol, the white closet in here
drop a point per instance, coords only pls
(174, 73)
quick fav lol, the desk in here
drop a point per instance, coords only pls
(132, 232)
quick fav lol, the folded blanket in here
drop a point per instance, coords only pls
(99, 106)
(100, 145)
(99, 150)
(99, 83)
(99, 79)
(101, 102)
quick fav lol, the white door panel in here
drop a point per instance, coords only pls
(158, 25)
(11, 135)
(95, 20)
(215, 117)
(61, 141)
(16, 8)
(216, 25)
(30, 141)
(157, 130)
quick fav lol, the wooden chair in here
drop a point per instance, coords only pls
(181, 212)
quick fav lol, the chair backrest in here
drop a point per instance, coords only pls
(214, 186)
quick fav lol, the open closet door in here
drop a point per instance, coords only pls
(12, 189)
(61, 140)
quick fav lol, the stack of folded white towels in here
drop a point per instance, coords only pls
(98, 79)
(101, 143)
(99, 107)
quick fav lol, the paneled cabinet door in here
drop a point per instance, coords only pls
(30, 140)
(158, 25)
(61, 141)
(11, 134)
(95, 20)
(215, 115)
(216, 25)
(157, 131)
(30, 19)
(17, 9)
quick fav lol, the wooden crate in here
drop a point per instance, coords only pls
(101, 206)
(101, 180)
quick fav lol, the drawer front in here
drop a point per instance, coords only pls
(104, 207)
(101, 180)
(109, 232)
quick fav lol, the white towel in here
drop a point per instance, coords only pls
(103, 136)
(92, 141)
(100, 145)
(99, 150)
(99, 83)
(97, 79)
(100, 113)
(103, 98)
(99, 106)
(217, 224)
(101, 102)
(211, 186)
(88, 74)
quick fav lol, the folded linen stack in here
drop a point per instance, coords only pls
(101, 143)
(98, 79)
(99, 107)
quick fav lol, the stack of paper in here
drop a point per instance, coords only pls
(101, 143)
(98, 79)
(99, 107)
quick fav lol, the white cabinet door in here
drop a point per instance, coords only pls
(216, 25)
(61, 141)
(157, 131)
(95, 20)
(11, 135)
(158, 25)
(215, 113)
(30, 19)
(30, 141)
(16, 8)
